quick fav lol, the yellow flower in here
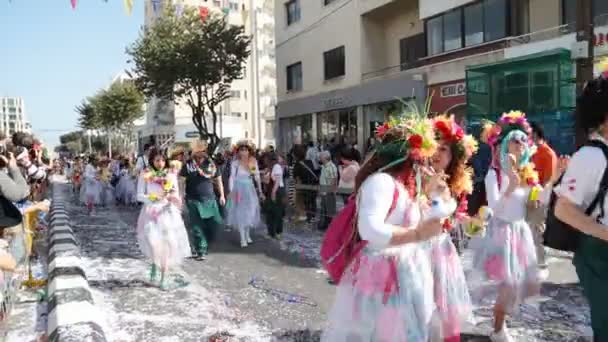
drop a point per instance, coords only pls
(168, 185)
(153, 197)
(603, 65)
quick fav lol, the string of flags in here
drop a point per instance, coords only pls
(178, 8)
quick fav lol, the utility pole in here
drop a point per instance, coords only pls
(584, 66)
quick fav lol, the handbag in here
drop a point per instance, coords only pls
(10, 216)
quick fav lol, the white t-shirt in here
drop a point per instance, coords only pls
(582, 178)
(277, 174)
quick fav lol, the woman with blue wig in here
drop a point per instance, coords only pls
(506, 256)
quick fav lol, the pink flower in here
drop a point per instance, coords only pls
(495, 268)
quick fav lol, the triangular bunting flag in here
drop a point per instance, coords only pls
(129, 6)
(245, 14)
(204, 12)
(156, 5)
(73, 2)
(179, 9)
(226, 10)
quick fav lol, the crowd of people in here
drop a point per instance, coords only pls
(401, 277)
(24, 170)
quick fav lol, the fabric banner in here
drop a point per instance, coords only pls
(179, 10)
(204, 12)
(129, 6)
(156, 5)
(73, 2)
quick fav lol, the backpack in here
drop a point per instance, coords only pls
(342, 242)
(561, 236)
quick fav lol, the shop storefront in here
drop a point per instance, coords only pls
(450, 98)
(346, 115)
(541, 85)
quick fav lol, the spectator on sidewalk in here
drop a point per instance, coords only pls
(348, 171)
(274, 204)
(545, 163)
(304, 174)
(201, 174)
(579, 187)
(328, 182)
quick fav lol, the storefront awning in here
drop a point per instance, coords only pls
(554, 55)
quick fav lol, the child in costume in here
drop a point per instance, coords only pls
(90, 191)
(160, 229)
(105, 178)
(451, 292)
(126, 189)
(386, 291)
(506, 255)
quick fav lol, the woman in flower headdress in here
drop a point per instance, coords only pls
(386, 292)
(245, 192)
(450, 286)
(90, 190)
(506, 256)
(126, 189)
(160, 229)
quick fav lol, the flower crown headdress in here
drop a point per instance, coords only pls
(409, 136)
(447, 130)
(494, 133)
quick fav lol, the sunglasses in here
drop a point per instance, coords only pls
(520, 140)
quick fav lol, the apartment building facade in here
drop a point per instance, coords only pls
(342, 63)
(249, 112)
(12, 116)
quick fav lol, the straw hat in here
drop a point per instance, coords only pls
(246, 143)
(176, 151)
(198, 146)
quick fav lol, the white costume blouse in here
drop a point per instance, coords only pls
(374, 203)
(146, 188)
(90, 172)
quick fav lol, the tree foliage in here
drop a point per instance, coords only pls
(118, 106)
(184, 59)
(87, 116)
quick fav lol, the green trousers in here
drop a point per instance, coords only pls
(204, 221)
(591, 262)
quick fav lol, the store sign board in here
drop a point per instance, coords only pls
(192, 134)
(453, 90)
(600, 42)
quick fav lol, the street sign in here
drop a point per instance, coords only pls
(192, 134)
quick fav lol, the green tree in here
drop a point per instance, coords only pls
(184, 59)
(88, 118)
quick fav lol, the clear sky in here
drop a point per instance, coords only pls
(53, 56)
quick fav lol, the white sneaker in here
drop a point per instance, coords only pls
(501, 336)
(249, 239)
(243, 244)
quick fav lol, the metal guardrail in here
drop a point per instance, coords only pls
(15, 240)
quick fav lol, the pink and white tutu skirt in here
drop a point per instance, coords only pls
(384, 296)
(505, 260)
(162, 235)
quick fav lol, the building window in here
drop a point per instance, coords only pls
(217, 3)
(236, 114)
(600, 9)
(473, 24)
(269, 130)
(294, 77)
(411, 49)
(293, 11)
(246, 134)
(245, 94)
(327, 2)
(334, 62)
(483, 21)
(235, 93)
(234, 6)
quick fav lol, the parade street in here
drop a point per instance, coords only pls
(271, 291)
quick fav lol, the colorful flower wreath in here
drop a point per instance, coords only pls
(159, 177)
(410, 136)
(447, 130)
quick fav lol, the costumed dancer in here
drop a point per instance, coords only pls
(160, 229)
(105, 181)
(204, 215)
(90, 191)
(506, 256)
(450, 287)
(245, 192)
(386, 291)
(126, 189)
(77, 175)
